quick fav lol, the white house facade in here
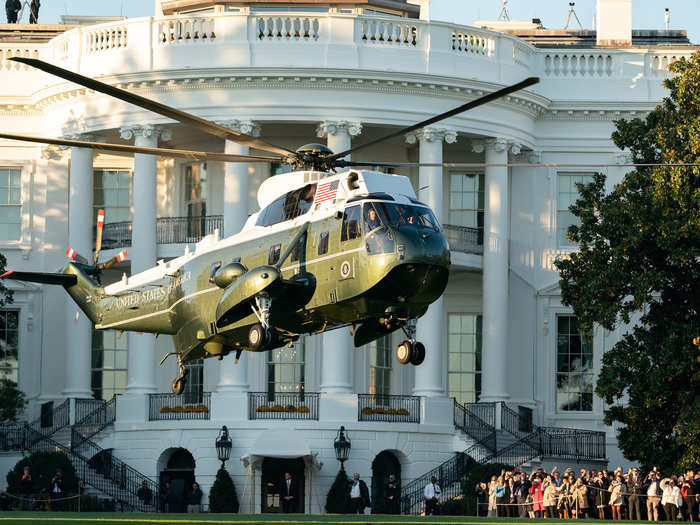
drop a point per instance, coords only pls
(508, 376)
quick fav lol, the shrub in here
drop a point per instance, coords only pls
(336, 499)
(222, 496)
(43, 467)
(11, 400)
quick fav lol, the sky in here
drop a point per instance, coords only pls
(646, 14)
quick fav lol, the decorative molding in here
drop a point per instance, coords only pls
(515, 147)
(247, 127)
(498, 145)
(145, 130)
(334, 127)
(431, 134)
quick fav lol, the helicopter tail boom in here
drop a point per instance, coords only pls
(74, 278)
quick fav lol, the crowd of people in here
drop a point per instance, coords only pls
(600, 494)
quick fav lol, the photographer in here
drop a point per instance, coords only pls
(432, 494)
(57, 491)
(652, 488)
(634, 487)
(521, 488)
(670, 498)
(26, 490)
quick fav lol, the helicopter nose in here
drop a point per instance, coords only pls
(424, 246)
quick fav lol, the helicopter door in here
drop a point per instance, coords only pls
(345, 264)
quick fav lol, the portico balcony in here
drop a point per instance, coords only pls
(169, 230)
(464, 239)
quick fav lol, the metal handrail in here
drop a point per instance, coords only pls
(96, 421)
(464, 239)
(475, 427)
(170, 407)
(302, 405)
(388, 408)
(169, 230)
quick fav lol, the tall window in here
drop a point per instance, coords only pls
(10, 204)
(9, 344)
(196, 199)
(109, 352)
(467, 201)
(567, 194)
(286, 370)
(112, 192)
(194, 387)
(380, 360)
(464, 359)
(574, 366)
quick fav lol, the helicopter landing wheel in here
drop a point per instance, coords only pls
(404, 352)
(257, 337)
(417, 353)
(178, 385)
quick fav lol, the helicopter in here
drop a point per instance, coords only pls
(333, 245)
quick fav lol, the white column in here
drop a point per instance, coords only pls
(429, 376)
(338, 345)
(80, 222)
(141, 357)
(233, 377)
(494, 386)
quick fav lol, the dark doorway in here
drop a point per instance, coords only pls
(384, 464)
(273, 470)
(180, 474)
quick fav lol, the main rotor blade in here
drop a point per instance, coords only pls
(464, 107)
(185, 118)
(124, 149)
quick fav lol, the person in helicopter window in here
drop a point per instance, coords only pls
(372, 221)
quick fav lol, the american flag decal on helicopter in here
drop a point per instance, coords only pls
(326, 191)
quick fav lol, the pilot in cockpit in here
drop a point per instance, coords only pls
(372, 221)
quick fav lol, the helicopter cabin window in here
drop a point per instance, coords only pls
(379, 238)
(352, 224)
(323, 243)
(274, 254)
(288, 206)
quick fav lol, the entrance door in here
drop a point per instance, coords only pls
(180, 475)
(273, 470)
(383, 465)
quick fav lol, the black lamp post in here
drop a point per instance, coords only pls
(342, 447)
(223, 446)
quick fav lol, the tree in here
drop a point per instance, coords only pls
(223, 496)
(638, 266)
(338, 493)
(11, 400)
(5, 293)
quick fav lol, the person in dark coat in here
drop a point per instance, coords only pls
(26, 490)
(392, 495)
(12, 7)
(58, 492)
(194, 499)
(358, 495)
(288, 494)
(144, 493)
(34, 12)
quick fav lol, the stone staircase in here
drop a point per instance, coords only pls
(102, 474)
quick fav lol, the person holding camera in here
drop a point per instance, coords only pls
(392, 495)
(26, 489)
(671, 495)
(617, 496)
(652, 488)
(432, 494)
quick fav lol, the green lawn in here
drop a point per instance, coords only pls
(59, 518)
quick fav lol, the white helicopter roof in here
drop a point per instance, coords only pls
(367, 182)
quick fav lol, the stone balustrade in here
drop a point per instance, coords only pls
(407, 46)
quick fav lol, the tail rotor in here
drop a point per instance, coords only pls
(76, 257)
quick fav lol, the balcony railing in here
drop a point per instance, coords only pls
(169, 230)
(263, 405)
(464, 239)
(169, 407)
(388, 409)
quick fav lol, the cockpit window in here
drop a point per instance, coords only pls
(288, 206)
(352, 221)
(401, 215)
